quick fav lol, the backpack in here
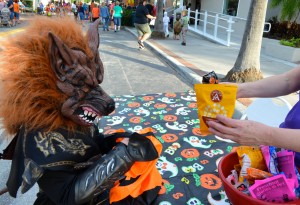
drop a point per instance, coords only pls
(177, 27)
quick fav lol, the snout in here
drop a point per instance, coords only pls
(111, 107)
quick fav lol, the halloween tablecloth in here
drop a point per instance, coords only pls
(188, 163)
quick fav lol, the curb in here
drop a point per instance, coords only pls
(191, 77)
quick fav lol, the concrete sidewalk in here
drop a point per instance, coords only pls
(201, 56)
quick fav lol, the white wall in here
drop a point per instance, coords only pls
(212, 5)
(243, 8)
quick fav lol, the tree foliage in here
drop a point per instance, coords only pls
(290, 8)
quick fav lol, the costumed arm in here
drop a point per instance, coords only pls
(108, 141)
(66, 188)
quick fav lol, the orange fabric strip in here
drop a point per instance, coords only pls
(149, 177)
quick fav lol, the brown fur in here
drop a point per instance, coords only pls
(29, 95)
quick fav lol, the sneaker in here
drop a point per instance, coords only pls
(141, 47)
(184, 44)
(168, 36)
(141, 44)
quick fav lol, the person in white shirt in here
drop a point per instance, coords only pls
(166, 21)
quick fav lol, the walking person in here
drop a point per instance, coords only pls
(111, 11)
(16, 12)
(104, 12)
(117, 15)
(141, 23)
(10, 6)
(166, 21)
(85, 11)
(95, 12)
(184, 25)
(75, 10)
(81, 12)
(2, 5)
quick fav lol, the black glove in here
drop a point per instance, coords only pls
(140, 148)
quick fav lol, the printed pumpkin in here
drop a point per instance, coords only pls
(169, 137)
(170, 118)
(160, 105)
(210, 181)
(148, 98)
(134, 104)
(135, 120)
(196, 131)
(190, 153)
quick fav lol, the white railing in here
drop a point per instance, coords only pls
(212, 26)
(217, 27)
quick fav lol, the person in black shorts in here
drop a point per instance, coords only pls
(141, 23)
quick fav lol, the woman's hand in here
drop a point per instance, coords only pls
(244, 132)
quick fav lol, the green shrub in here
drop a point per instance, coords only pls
(294, 42)
(127, 17)
(282, 30)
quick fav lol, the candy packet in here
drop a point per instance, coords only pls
(213, 99)
(274, 189)
(286, 165)
(270, 156)
(234, 181)
(250, 157)
(256, 174)
(210, 78)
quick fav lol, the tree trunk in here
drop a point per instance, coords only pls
(247, 64)
(158, 31)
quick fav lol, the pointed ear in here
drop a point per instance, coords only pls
(94, 41)
(60, 56)
(93, 36)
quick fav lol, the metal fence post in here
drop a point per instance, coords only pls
(229, 30)
(205, 22)
(196, 19)
(216, 25)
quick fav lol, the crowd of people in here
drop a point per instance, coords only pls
(15, 7)
(110, 15)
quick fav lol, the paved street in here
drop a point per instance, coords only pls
(128, 71)
(131, 71)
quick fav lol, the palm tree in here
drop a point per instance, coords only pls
(289, 8)
(247, 64)
(158, 31)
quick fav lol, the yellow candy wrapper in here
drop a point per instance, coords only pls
(250, 157)
(214, 99)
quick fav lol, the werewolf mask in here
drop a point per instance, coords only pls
(51, 77)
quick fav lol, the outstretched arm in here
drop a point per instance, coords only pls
(150, 16)
(274, 86)
(67, 187)
(247, 132)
